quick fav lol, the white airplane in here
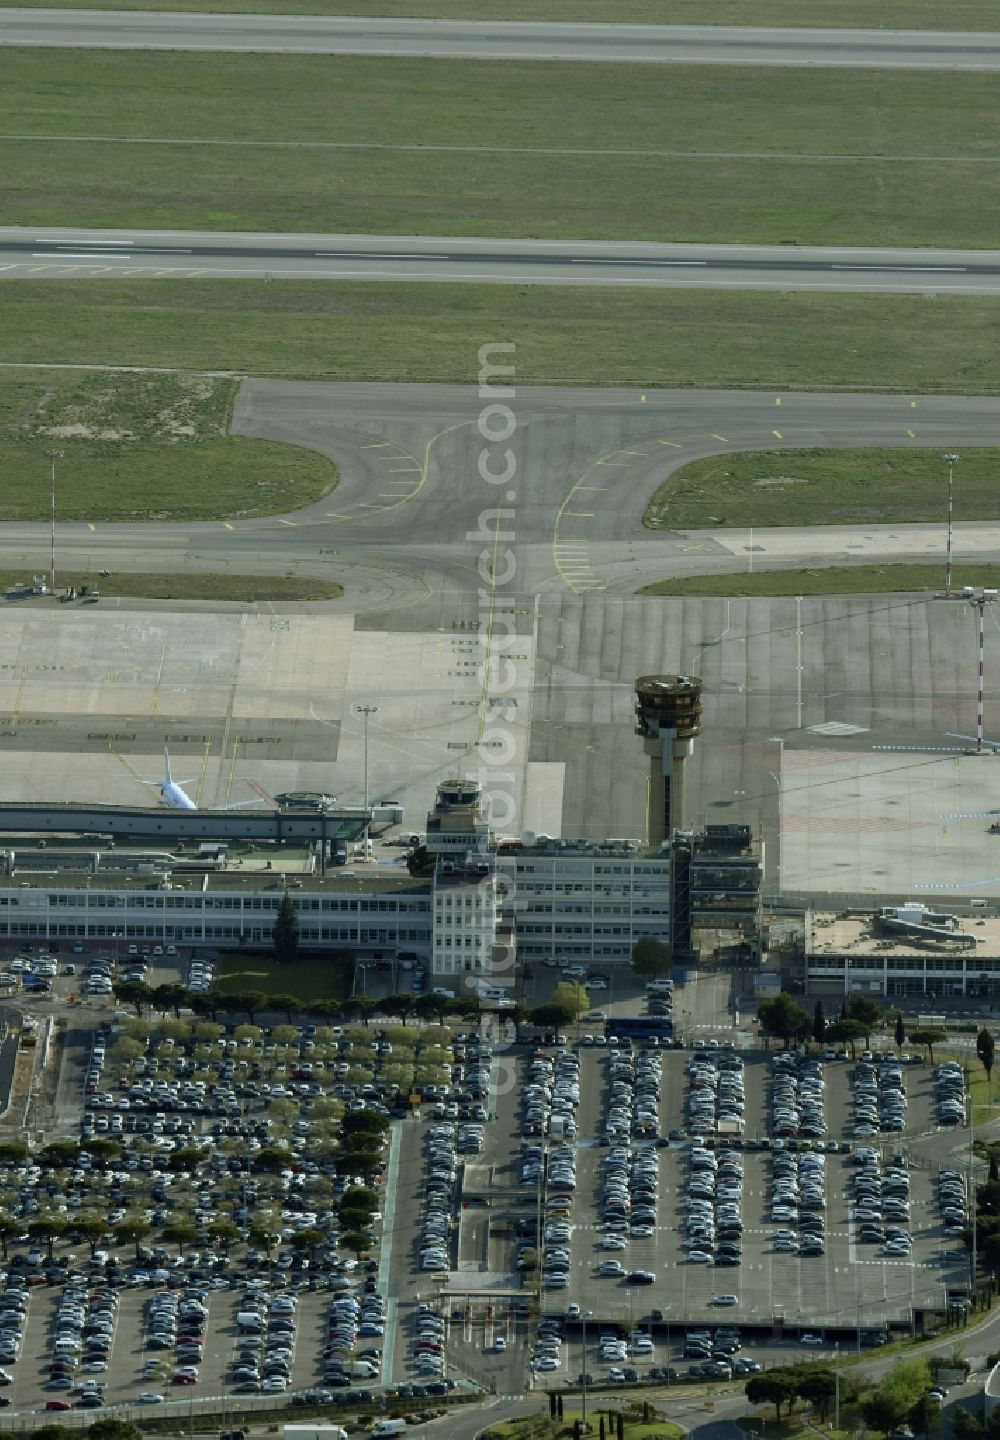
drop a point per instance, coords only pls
(173, 794)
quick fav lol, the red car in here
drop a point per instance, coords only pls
(58, 1405)
(181, 1379)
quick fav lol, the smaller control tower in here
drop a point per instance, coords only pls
(668, 717)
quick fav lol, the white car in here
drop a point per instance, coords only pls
(150, 1397)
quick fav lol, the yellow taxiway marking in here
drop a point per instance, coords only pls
(777, 435)
(562, 560)
(290, 523)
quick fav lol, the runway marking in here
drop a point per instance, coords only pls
(777, 434)
(720, 437)
(561, 561)
(777, 400)
(290, 523)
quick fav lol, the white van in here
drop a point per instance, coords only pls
(388, 1427)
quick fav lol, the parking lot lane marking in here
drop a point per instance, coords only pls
(385, 1254)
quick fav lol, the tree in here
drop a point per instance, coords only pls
(846, 1032)
(249, 1001)
(819, 1386)
(819, 1023)
(985, 1046)
(289, 1004)
(308, 1239)
(965, 1425)
(427, 1007)
(651, 957)
(573, 997)
(132, 1231)
(109, 1429)
(928, 1039)
(550, 1017)
(924, 1415)
(783, 1018)
(223, 1233)
(400, 1005)
(182, 1232)
(883, 1410)
(866, 1011)
(8, 1228)
(90, 1228)
(777, 1388)
(266, 1234)
(900, 1032)
(285, 938)
(356, 1240)
(170, 997)
(994, 1165)
(49, 1228)
(133, 992)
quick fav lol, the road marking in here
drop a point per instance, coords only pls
(373, 255)
(378, 445)
(777, 400)
(592, 487)
(616, 464)
(720, 437)
(580, 514)
(406, 470)
(290, 523)
(777, 434)
(908, 269)
(671, 443)
(91, 527)
(227, 525)
(911, 434)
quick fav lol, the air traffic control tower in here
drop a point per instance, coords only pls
(667, 717)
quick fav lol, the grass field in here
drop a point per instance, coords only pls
(139, 447)
(824, 487)
(623, 337)
(685, 153)
(317, 979)
(834, 580)
(912, 14)
(192, 585)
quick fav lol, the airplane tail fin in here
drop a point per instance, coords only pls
(167, 777)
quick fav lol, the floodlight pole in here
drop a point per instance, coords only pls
(979, 603)
(366, 711)
(53, 455)
(951, 460)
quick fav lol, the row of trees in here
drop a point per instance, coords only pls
(900, 1398)
(783, 1018)
(213, 1003)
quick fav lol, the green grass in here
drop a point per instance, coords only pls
(245, 589)
(318, 979)
(901, 14)
(834, 580)
(824, 487)
(599, 336)
(139, 447)
(684, 153)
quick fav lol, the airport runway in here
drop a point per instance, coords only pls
(81, 254)
(502, 40)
